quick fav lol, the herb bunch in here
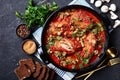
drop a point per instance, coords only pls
(36, 15)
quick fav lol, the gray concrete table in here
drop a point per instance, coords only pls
(10, 44)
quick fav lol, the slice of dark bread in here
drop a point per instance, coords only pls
(47, 73)
(43, 73)
(38, 69)
(51, 74)
(22, 72)
(30, 70)
(29, 63)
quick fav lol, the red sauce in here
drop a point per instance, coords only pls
(75, 38)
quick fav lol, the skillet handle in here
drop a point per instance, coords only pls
(106, 22)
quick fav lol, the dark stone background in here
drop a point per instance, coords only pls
(10, 44)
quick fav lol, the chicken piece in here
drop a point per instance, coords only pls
(64, 45)
(90, 41)
(67, 45)
(76, 15)
(55, 27)
(81, 19)
(52, 29)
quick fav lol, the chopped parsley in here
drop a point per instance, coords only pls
(73, 66)
(85, 61)
(81, 65)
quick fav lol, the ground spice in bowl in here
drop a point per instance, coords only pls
(29, 46)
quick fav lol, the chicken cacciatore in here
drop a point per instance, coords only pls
(74, 38)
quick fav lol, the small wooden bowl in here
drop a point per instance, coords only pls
(22, 31)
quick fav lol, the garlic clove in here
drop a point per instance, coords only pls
(104, 9)
(112, 7)
(105, 1)
(92, 1)
(117, 23)
(113, 15)
(98, 3)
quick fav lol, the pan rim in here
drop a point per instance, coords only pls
(105, 44)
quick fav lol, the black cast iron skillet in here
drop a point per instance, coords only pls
(46, 55)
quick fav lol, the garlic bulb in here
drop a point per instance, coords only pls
(105, 1)
(104, 9)
(98, 3)
(112, 7)
(92, 1)
(113, 15)
(117, 23)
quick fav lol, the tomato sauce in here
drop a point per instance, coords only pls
(74, 38)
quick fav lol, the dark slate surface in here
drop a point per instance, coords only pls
(10, 44)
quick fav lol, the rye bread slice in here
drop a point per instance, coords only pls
(22, 72)
(47, 73)
(38, 69)
(43, 73)
(51, 74)
(29, 63)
